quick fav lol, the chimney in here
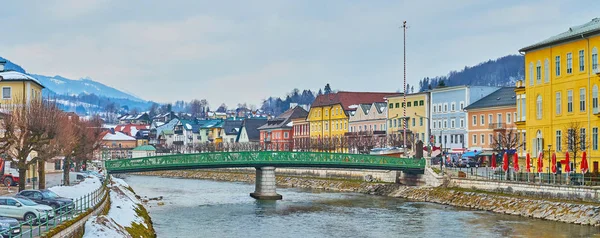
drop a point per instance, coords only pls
(2, 63)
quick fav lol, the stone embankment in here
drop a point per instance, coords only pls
(553, 210)
(584, 213)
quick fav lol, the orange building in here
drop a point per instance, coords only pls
(492, 121)
(277, 134)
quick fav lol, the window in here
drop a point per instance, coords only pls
(582, 138)
(569, 63)
(558, 103)
(482, 139)
(491, 137)
(421, 121)
(474, 139)
(482, 119)
(452, 123)
(570, 135)
(595, 59)
(395, 125)
(434, 124)
(453, 107)
(452, 139)
(440, 108)
(445, 124)
(538, 72)
(569, 100)
(421, 103)
(408, 104)
(558, 141)
(445, 107)
(416, 103)
(531, 73)
(445, 139)
(6, 92)
(507, 118)
(414, 122)
(439, 124)
(581, 61)
(474, 120)
(462, 123)
(595, 99)
(499, 118)
(462, 106)
(539, 107)
(326, 112)
(326, 125)
(582, 99)
(285, 135)
(595, 138)
(546, 71)
(391, 106)
(490, 118)
(397, 105)
(557, 66)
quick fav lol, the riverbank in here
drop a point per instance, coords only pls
(126, 216)
(583, 213)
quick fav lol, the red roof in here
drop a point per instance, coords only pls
(346, 99)
(129, 128)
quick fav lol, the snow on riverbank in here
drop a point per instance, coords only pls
(123, 213)
(86, 186)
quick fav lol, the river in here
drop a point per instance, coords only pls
(201, 208)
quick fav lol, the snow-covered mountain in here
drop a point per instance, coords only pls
(65, 86)
(83, 96)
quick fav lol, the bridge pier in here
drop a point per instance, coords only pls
(265, 184)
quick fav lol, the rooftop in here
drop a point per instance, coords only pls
(505, 96)
(573, 33)
(17, 76)
(144, 148)
(347, 99)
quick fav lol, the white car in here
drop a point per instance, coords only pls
(23, 208)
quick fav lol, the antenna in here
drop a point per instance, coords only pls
(404, 26)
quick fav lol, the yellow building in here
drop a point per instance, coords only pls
(560, 92)
(329, 113)
(18, 88)
(417, 114)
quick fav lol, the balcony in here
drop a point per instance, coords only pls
(497, 126)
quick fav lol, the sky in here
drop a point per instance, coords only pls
(244, 51)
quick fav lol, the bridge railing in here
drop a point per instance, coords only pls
(278, 158)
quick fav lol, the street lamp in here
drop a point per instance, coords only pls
(549, 161)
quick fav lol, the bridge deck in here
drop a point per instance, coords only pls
(262, 159)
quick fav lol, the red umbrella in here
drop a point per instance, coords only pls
(505, 162)
(584, 163)
(540, 162)
(516, 162)
(528, 163)
(553, 165)
(568, 163)
(493, 161)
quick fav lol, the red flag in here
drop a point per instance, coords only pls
(553, 165)
(540, 162)
(505, 162)
(528, 163)
(516, 162)
(568, 163)
(584, 163)
(493, 161)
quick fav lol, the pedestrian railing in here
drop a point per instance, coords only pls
(59, 216)
(487, 173)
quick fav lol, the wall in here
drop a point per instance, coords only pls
(478, 128)
(416, 112)
(376, 175)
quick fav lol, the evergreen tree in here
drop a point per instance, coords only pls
(327, 89)
(320, 92)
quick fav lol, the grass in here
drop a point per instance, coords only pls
(139, 230)
(515, 195)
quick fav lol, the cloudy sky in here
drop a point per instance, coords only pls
(244, 51)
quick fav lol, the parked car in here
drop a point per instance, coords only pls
(467, 162)
(23, 208)
(93, 173)
(9, 227)
(47, 197)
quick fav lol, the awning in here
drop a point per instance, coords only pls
(457, 150)
(471, 154)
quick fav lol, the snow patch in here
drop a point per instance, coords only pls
(57, 81)
(353, 106)
(87, 186)
(102, 226)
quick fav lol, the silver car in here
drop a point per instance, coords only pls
(23, 208)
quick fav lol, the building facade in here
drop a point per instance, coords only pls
(560, 93)
(277, 133)
(329, 114)
(492, 121)
(417, 116)
(18, 88)
(448, 119)
(301, 134)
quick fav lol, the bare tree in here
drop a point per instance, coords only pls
(575, 140)
(87, 134)
(195, 108)
(506, 140)
(61, 144)
(27, 126)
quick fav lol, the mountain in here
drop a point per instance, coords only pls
(65, 86)
(83, 96)
(504, 71)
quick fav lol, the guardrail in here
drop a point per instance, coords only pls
(50, 220)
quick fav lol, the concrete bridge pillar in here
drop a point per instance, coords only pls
(265, 184)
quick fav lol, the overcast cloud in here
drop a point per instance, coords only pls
(244, 51)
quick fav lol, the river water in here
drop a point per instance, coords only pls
(201, 208)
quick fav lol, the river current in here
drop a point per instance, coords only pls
(202, 208)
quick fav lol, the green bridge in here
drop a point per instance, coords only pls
(265, 163)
